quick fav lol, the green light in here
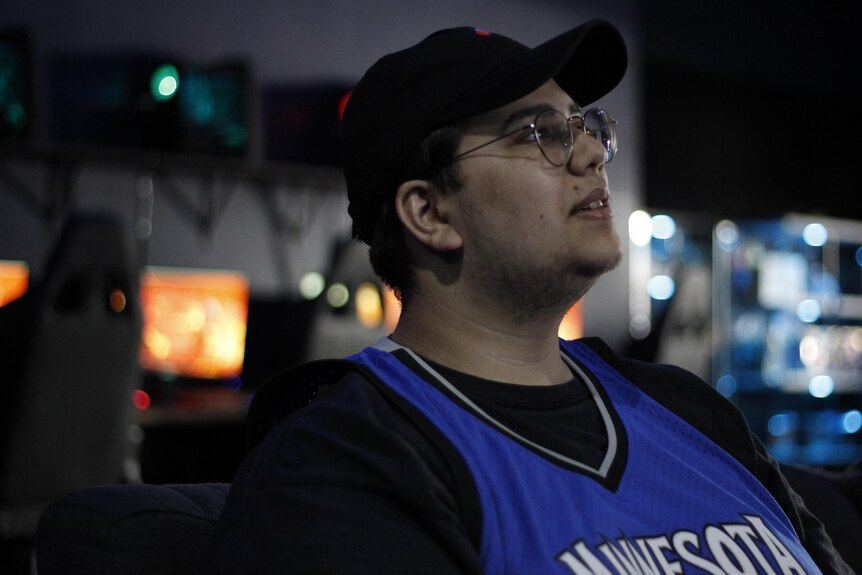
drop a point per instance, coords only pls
(165, 82)
(16, 115)
(234, 136)
(338, 295)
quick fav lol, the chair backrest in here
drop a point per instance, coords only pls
(71, 394)
(130, 529)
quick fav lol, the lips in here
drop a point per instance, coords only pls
(596, 200)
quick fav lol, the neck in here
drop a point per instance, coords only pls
(479, 338)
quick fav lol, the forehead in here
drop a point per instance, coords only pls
(547, 96)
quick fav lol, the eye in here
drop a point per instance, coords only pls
(552, 134)
(530, 134)
(546, 132)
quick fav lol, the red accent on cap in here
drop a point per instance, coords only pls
(479, 32)
(342, 103)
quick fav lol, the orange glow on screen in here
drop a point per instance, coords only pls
(391, 309)
(572, 326)
(194, 321)
(369, 305)
(14, 280)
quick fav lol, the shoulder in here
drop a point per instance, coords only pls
(664, 382)
(328, 403)
(689, 397)
(334, 396)
(319, 421)
(335, 448)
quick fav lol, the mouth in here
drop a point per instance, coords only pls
(596, 200)
(598, 204)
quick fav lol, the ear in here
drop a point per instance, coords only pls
(423, 211)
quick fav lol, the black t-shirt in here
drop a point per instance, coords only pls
(564, 418)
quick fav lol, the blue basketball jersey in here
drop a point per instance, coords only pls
(665, 498)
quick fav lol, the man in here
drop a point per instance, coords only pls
(472, 440)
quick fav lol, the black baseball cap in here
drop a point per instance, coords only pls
(453, 74)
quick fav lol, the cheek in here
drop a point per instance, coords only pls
(510, 200)
(522, 195)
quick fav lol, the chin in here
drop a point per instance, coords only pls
(600, 264)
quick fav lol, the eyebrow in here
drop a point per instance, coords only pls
(514, 121)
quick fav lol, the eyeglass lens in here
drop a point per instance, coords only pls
(555, 138)
(601, 126)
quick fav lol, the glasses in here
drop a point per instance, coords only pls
(554, 134)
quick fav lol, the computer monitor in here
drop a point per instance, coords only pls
(301, 122)
(195, 322)
(149, 100)
(108, 99)
(215, 109)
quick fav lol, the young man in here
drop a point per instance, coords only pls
(472, 440)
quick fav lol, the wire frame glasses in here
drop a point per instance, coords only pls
(553, 133)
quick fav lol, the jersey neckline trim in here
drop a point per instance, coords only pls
(387, 345)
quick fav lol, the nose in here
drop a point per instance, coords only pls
(588, 154)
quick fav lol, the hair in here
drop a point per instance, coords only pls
(390, 257)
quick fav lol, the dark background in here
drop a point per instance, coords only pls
(752, 108)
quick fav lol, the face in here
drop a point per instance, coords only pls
(535, 234)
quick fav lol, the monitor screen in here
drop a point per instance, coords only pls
(301, 122)
(150, 101)
(214, 109)
(16, 79)
(14, 280)
(194, 321)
